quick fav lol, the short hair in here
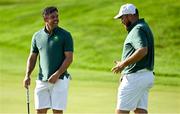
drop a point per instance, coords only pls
(49, 10)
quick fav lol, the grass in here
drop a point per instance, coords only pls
(91, 92)
(98, 42)
(98, 38)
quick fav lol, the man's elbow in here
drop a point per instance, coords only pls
(70, 60)
(144, 51)
(69, 57)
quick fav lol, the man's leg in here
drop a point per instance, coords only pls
(143, 102)
(42, 111)
(59, 95)
(42, 97)
(57, 111)
(122, 112)
(140, 111)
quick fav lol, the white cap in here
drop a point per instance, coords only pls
(126, 9)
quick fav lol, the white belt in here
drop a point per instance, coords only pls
(143, 70)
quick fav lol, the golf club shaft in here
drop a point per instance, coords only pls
(28, 108)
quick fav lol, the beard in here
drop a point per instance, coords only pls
(128, 24)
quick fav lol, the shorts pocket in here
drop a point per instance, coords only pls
(61, 85)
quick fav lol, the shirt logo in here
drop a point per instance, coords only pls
(56, 38)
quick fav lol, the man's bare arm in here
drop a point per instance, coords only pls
(31, 62)
(135, 57)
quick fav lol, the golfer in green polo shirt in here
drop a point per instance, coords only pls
(137, 63)
(54, 47)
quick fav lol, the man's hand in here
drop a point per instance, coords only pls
(26, 81)
(53, 78)
(118, 67)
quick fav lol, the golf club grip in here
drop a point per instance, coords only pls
(27, 96)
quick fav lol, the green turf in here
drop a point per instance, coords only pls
(98, 42)
(98, 38)
(90, 92)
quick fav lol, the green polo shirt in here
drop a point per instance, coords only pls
(51, 50)
(139, 36)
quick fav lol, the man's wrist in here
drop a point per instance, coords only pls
(27, 76)
(125, 64)
(59, 73)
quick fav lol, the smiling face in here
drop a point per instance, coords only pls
(52, 19)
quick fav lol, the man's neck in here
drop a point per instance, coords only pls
(134, 20)
(49, 29)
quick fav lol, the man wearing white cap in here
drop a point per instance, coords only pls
(137, 63)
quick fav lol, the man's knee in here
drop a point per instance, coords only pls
(122, 111)
(57, 111)
(140, 111)
(42, 111)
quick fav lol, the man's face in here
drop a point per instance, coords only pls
(125, 20)
(52, 19)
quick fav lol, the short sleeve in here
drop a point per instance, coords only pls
(68, 43)
(139, 39)
(34, 48)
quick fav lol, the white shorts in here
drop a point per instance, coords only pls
(52, 96)
(133, 91)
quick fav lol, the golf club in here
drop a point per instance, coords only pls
(27, 98)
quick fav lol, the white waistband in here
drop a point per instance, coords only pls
(143, 70)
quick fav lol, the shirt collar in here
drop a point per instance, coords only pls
(46, 31)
